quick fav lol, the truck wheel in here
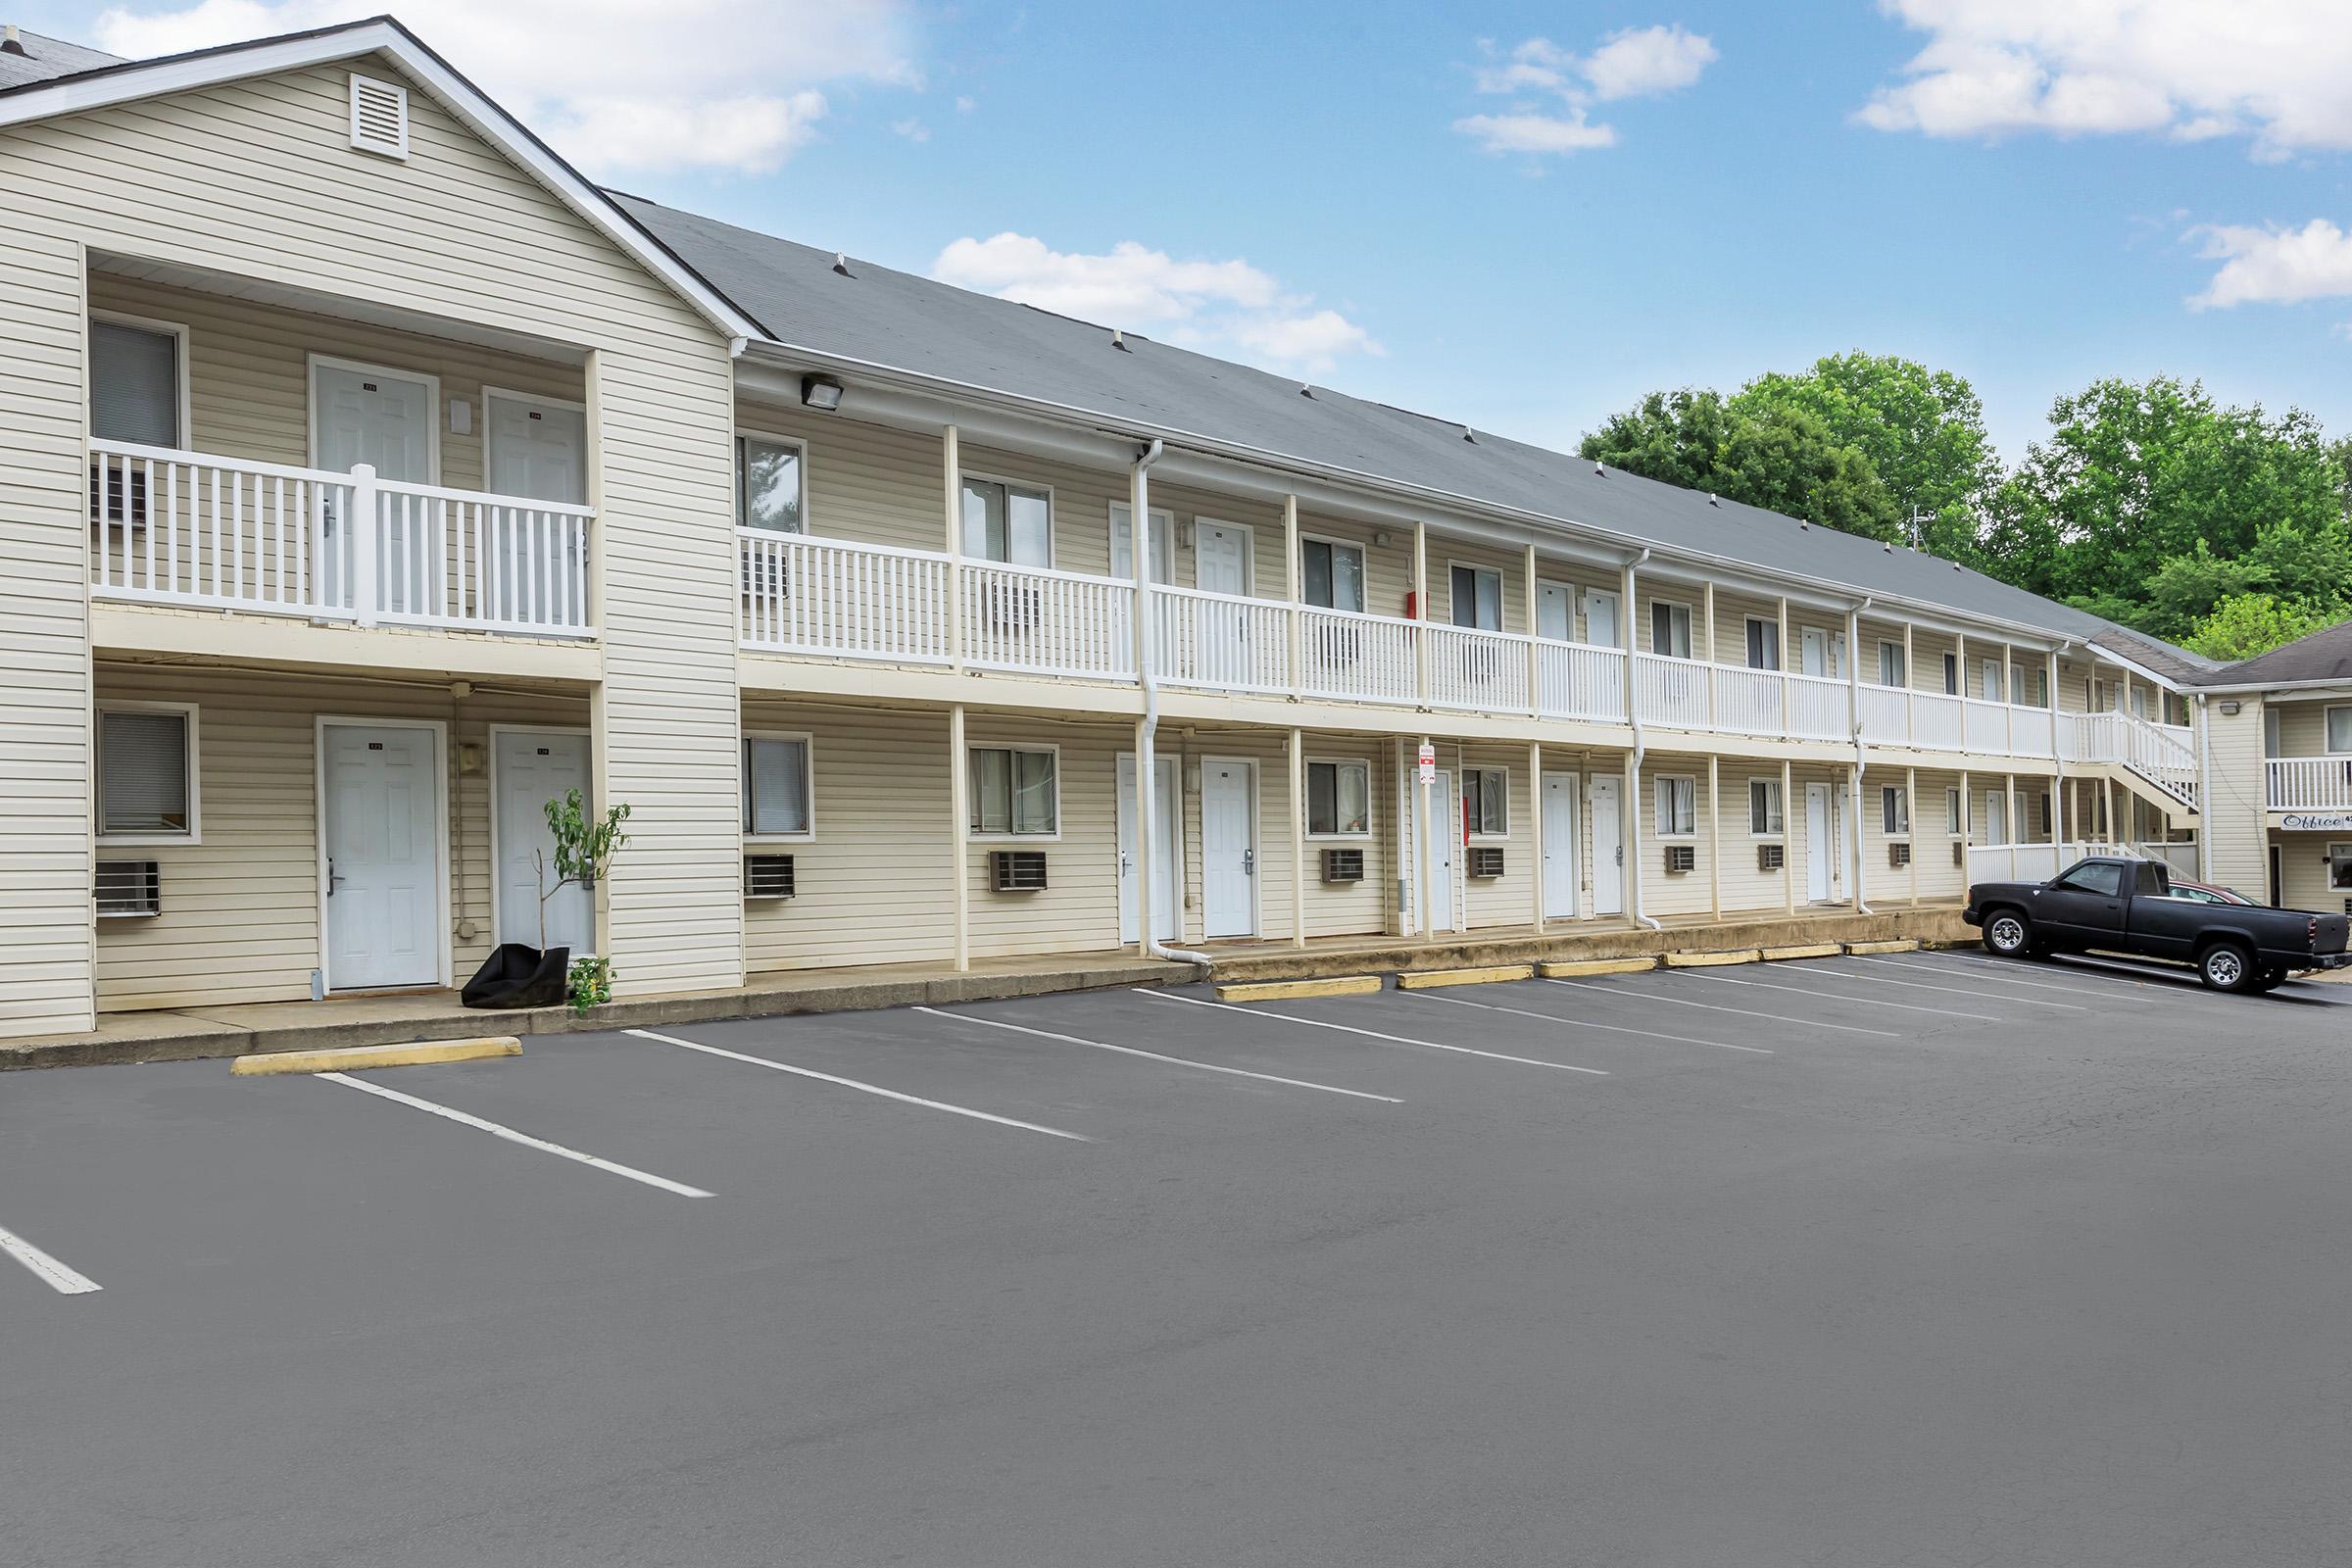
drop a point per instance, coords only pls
(2227, 966)
(2007, 935)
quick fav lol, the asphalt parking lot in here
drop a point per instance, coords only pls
(1922, 1259)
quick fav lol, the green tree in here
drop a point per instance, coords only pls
(1780, 457)
(2249, 623)
(1922, 430)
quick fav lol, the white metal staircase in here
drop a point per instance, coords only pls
(2164, 757)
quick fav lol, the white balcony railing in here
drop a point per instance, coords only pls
(1577, 680)
(1483, 671)
(1355, 658)
(1220, 643)
(812, 596)
(1671, 691)
(2165, 754)
(218, 533)
(2310, 783)
(1818, 709)
(1047, 622)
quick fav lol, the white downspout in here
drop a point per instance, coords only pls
(1147, 770)
(1853, 686)
(1633, 711)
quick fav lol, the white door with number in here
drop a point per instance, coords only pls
(1559, 846)
(1600, 619)
(1221, 566)
(387, 421)
(1821, 843)
(382, 808)
(1168, 887)
(1228, 849)
(1608, 848)
(1555, 612)
(534, 767)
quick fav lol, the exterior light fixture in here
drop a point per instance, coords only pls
(2229, 706)
(820, 392)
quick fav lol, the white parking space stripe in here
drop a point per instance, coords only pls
(1920, 985)
(1368, 1034)
(1951, 973)
(1584, 1023)
(1743, 1013)
(1862, 1001)
(864, 1088)
(1154, 1055)
(512, 1136)
(48, 1270)
(2008, 966)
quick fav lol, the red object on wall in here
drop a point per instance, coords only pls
(1412, 603)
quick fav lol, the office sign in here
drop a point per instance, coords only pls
(2319, 823)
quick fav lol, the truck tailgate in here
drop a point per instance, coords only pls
(2328, 932)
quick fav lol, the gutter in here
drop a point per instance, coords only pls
(1147, 733)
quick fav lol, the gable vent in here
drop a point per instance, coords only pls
(379, 117)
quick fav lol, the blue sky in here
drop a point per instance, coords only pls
(2036, 198)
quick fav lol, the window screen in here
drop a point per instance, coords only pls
(1678, 807)
(1334, 578)
(1486, 800)
(775, 786)
(1477, 599)
(1764, 806)
(1013, 791)
(143, 784)
(767, 486)
(1339, 798)
(1763, 645)
(1007, 523)
(135, 385)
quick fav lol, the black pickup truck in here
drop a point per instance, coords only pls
(2110, 905)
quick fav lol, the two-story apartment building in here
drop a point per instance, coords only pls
(368, 477)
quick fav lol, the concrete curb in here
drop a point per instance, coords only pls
(1349, 984)
(1904, 944)
(359, 1058)
(1579, 968)
(1489, 974)
(1804, 950)
(1712, 960)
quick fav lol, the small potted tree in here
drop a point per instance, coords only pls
(519, 976)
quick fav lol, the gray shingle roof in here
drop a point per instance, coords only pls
(46, 59)
(915, 325)
(2324, 655)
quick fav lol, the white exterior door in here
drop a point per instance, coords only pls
(1608, 848)
(1555, 612)
(1221, 566)
(1168, 887)
(1228, 849)
(384, 420)
(1559, 846)
(1601, 618)
(1821, 849)
(1990, 672)
(1821, 652)
(381, 803)
(534, 767)
(537, 450)
(1996, 816)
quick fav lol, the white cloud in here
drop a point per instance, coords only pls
(912, 130)
(726, 84)
(1633, 63)
(2276, 266)
(2190, 69)
(1536, 133)
(1202, 303)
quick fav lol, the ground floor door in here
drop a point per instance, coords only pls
(381, 805)
(1821, 853)
(1559, 846)
(1608, 847)
(1167, 885)
(530, 768)
(1430, 897)
(1228, 848)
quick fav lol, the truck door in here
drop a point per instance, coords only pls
(2085, 908)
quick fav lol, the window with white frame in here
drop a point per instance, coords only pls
(1955, 811)
(1331, 575)
(2339, 866)
(775, 787)
(1763, 644)
(2339, 729)
(1015, 793)
(1122, 543)
(147, 791)
(770, 484)
(1339, 799)
(2037, 682)
(1894, 810)
(135, 383)
(1892, 672)
(1668, 629)
(1007, 523)
(1477, 595)
(1678, 807)
(1764, 819)
(2273, 733)
(1486, 801)
(1951, 675)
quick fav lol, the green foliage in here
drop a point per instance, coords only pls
(589, 983)
(2148, 503)
(2244, 624)
(584, 852)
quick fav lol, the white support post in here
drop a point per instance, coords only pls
(1535, 664)
(1785, 724)
(1421, 614)
(1707, 612)
(1789, 826)
(1715, 833)
(360, 539)
(1910, 686)
(953, 507)
(1535, 812)
(1299, 837)
(959, 811)
(1291, 572)
(1424, 842)
(1911, 808)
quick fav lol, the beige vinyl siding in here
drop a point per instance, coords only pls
(1681, 892)
(252, 179)
(240, 907)
(46, 943)
(1745, 887)
(1509, 899)
(1353, 909)
(2237, 797)
(1510, 566)
(872, 877)
(1733, 611)
(2303, 725)
(1387, 568)
(2302, 875)
(1078, 910)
